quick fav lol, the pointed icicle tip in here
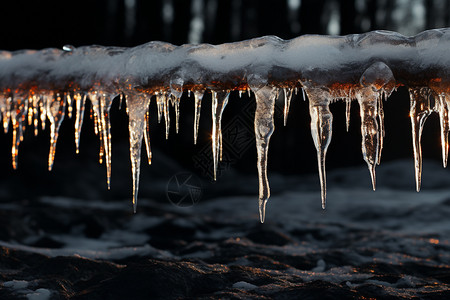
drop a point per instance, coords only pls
(262, 209)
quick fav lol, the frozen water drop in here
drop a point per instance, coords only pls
(287, 102)
(198, 96)
(219, 102)
(321, 131)
(264, 127)
(419, 111)
(137, 109)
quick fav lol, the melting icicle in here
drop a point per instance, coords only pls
(198, 95)
(419, 111)
(80, 102)
(137, 109)
(348, 107)
(219, 102)
(264, 127)
(370, 130)
(287, 102)
(321, 131)
(56, 107)
(376, 80)
(176, 104)
(442, 109)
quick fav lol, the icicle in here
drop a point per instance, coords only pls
(303, 93)
(348, 106)
(376, 80)
(240, 94)
(160, 99)
(56, 107)
(264, 127)
(381, 124)
(105, 106)
(147, 138)
(94, 97)
(7, 113)
(137, 109)
(176, 103)
(370, 130)
(444, 120)
(198, 96)
(419, 111)
(166, 107)
(80, 102)
(18, 112)
(35, 108)
(287, 102)
(69, 106)
(219, 102)
(43, 108)
(321, 131)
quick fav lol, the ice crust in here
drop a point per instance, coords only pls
(36, 86)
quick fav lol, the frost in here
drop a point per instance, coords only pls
(51, 84)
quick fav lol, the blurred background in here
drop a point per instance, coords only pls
(42, 24)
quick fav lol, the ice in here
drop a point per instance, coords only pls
(264, 127)
(442, 109)
(287, 102)
(321, 131)
(219, 102)
(348, 107)
(56, 106)
(198, 95)
(137, 105)
(419, 111)
(37, 86)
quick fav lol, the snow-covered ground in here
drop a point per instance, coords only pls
(392, 242)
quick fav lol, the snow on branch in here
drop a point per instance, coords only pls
(36, 86)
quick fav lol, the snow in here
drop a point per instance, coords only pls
(40, 86)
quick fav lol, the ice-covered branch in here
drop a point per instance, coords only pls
(36, 86)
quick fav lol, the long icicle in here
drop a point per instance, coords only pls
(55, 113)
(264, 127)
(137, 105)
(219, 102)
(105, 106)
(321, 131)
(80, 103)
(147, 137)
(370, 130)
(419, 111)
(444, 121)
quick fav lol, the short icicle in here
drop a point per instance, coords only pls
(166, 109)
(287, 102)
(419, 112)
(442, 109)
(56, 107)
(348, 107)
(264, 127)
(321, 131)
(198, 96)
(137, 105)
(219, 102)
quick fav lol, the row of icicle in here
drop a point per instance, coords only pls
(33, 109)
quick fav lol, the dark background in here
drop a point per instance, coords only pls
(41, 24)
